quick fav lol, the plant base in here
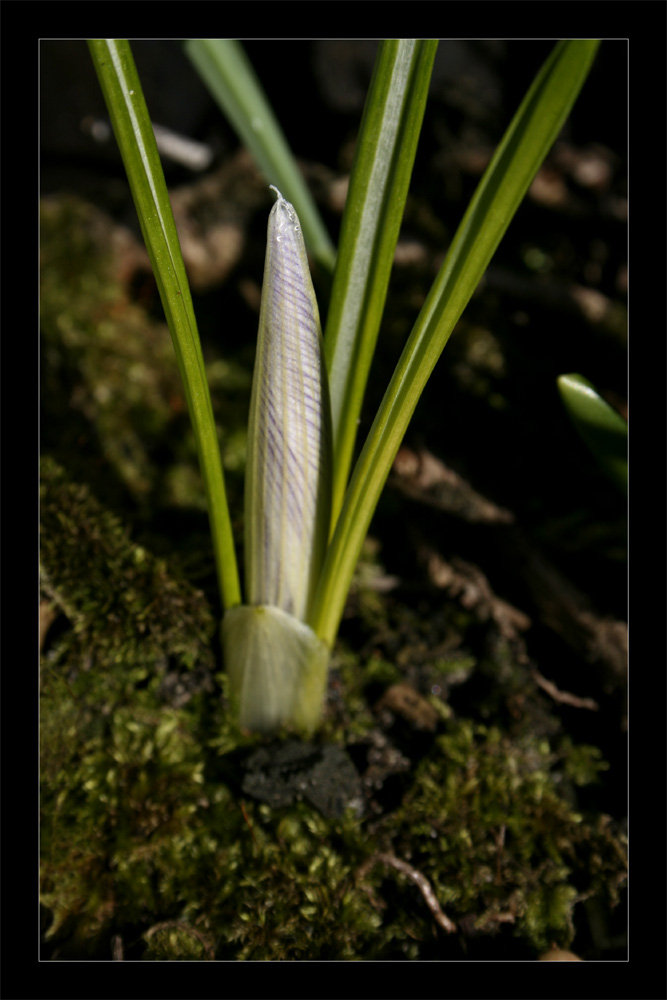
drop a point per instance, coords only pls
(277, 669)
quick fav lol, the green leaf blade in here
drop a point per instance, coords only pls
(604, 431)
(134, 133)
(511, 171)
(374, 208)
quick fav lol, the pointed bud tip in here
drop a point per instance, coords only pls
(284, 213)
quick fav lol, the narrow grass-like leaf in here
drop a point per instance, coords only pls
(288, 470)
(227, 71)
(132, 126)
(373, 212)
(506, 180)
(601, 427)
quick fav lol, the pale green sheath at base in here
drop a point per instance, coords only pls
(277, 669)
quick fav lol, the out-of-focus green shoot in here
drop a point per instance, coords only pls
(224, 66)
(601, 427)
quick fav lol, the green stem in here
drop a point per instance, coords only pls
(134, 133)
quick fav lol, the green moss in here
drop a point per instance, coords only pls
(112, 394)
(146, 833)
(582, 764)
(485, 823)
(546, 912)
(142, 828)
(176, 941)
(124, 605)
(296, 897)
(109, 371)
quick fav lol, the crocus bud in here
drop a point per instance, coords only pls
(277, 665)
(288, 472)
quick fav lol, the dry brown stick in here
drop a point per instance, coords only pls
(420, 881)
(564, 697)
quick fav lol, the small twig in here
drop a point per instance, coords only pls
(564, 697)
(420, 881)
(245, 816)
(48, 613)
(500, 843)
(495, 918)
